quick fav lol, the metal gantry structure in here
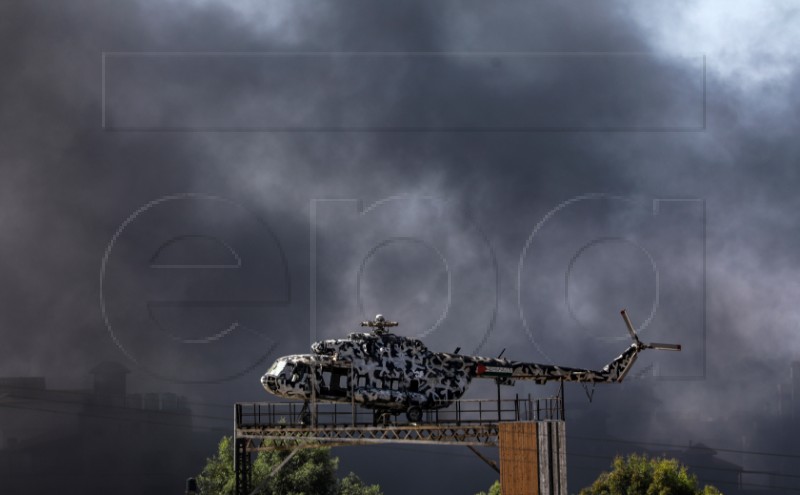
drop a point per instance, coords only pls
(291, 426)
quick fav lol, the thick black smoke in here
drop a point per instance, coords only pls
(482, 134)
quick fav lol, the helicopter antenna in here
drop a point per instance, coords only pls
(588, 391)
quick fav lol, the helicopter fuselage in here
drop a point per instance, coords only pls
(379, 371)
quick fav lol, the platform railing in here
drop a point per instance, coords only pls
(480, 411)
(459, 412)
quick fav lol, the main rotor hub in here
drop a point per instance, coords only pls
(380, 324)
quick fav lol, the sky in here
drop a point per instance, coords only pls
(194, 188)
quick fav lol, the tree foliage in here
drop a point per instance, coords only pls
(310, 471)
(352, 485)
(217, 476)
(640, 475)
(493, 490)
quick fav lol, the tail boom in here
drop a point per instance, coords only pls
(615, 371)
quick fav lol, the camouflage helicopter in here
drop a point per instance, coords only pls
(392, 374)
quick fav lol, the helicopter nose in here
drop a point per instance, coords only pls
(270, 383)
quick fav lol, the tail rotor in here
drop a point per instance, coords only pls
(639, 346)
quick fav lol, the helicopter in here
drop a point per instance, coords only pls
(392, 374)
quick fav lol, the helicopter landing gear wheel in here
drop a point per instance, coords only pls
(414, 414)
(381, 417)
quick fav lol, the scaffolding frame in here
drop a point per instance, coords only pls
(262, 426)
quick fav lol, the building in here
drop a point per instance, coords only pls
(103, 440)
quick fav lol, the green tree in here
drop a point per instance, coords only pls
(310, 471)
(352, 485)
(217, 476)
(640, 475)
(493, 490)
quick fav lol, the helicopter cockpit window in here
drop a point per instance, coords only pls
(276, 368)
(299, 373)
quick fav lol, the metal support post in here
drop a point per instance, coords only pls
(241, 466)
